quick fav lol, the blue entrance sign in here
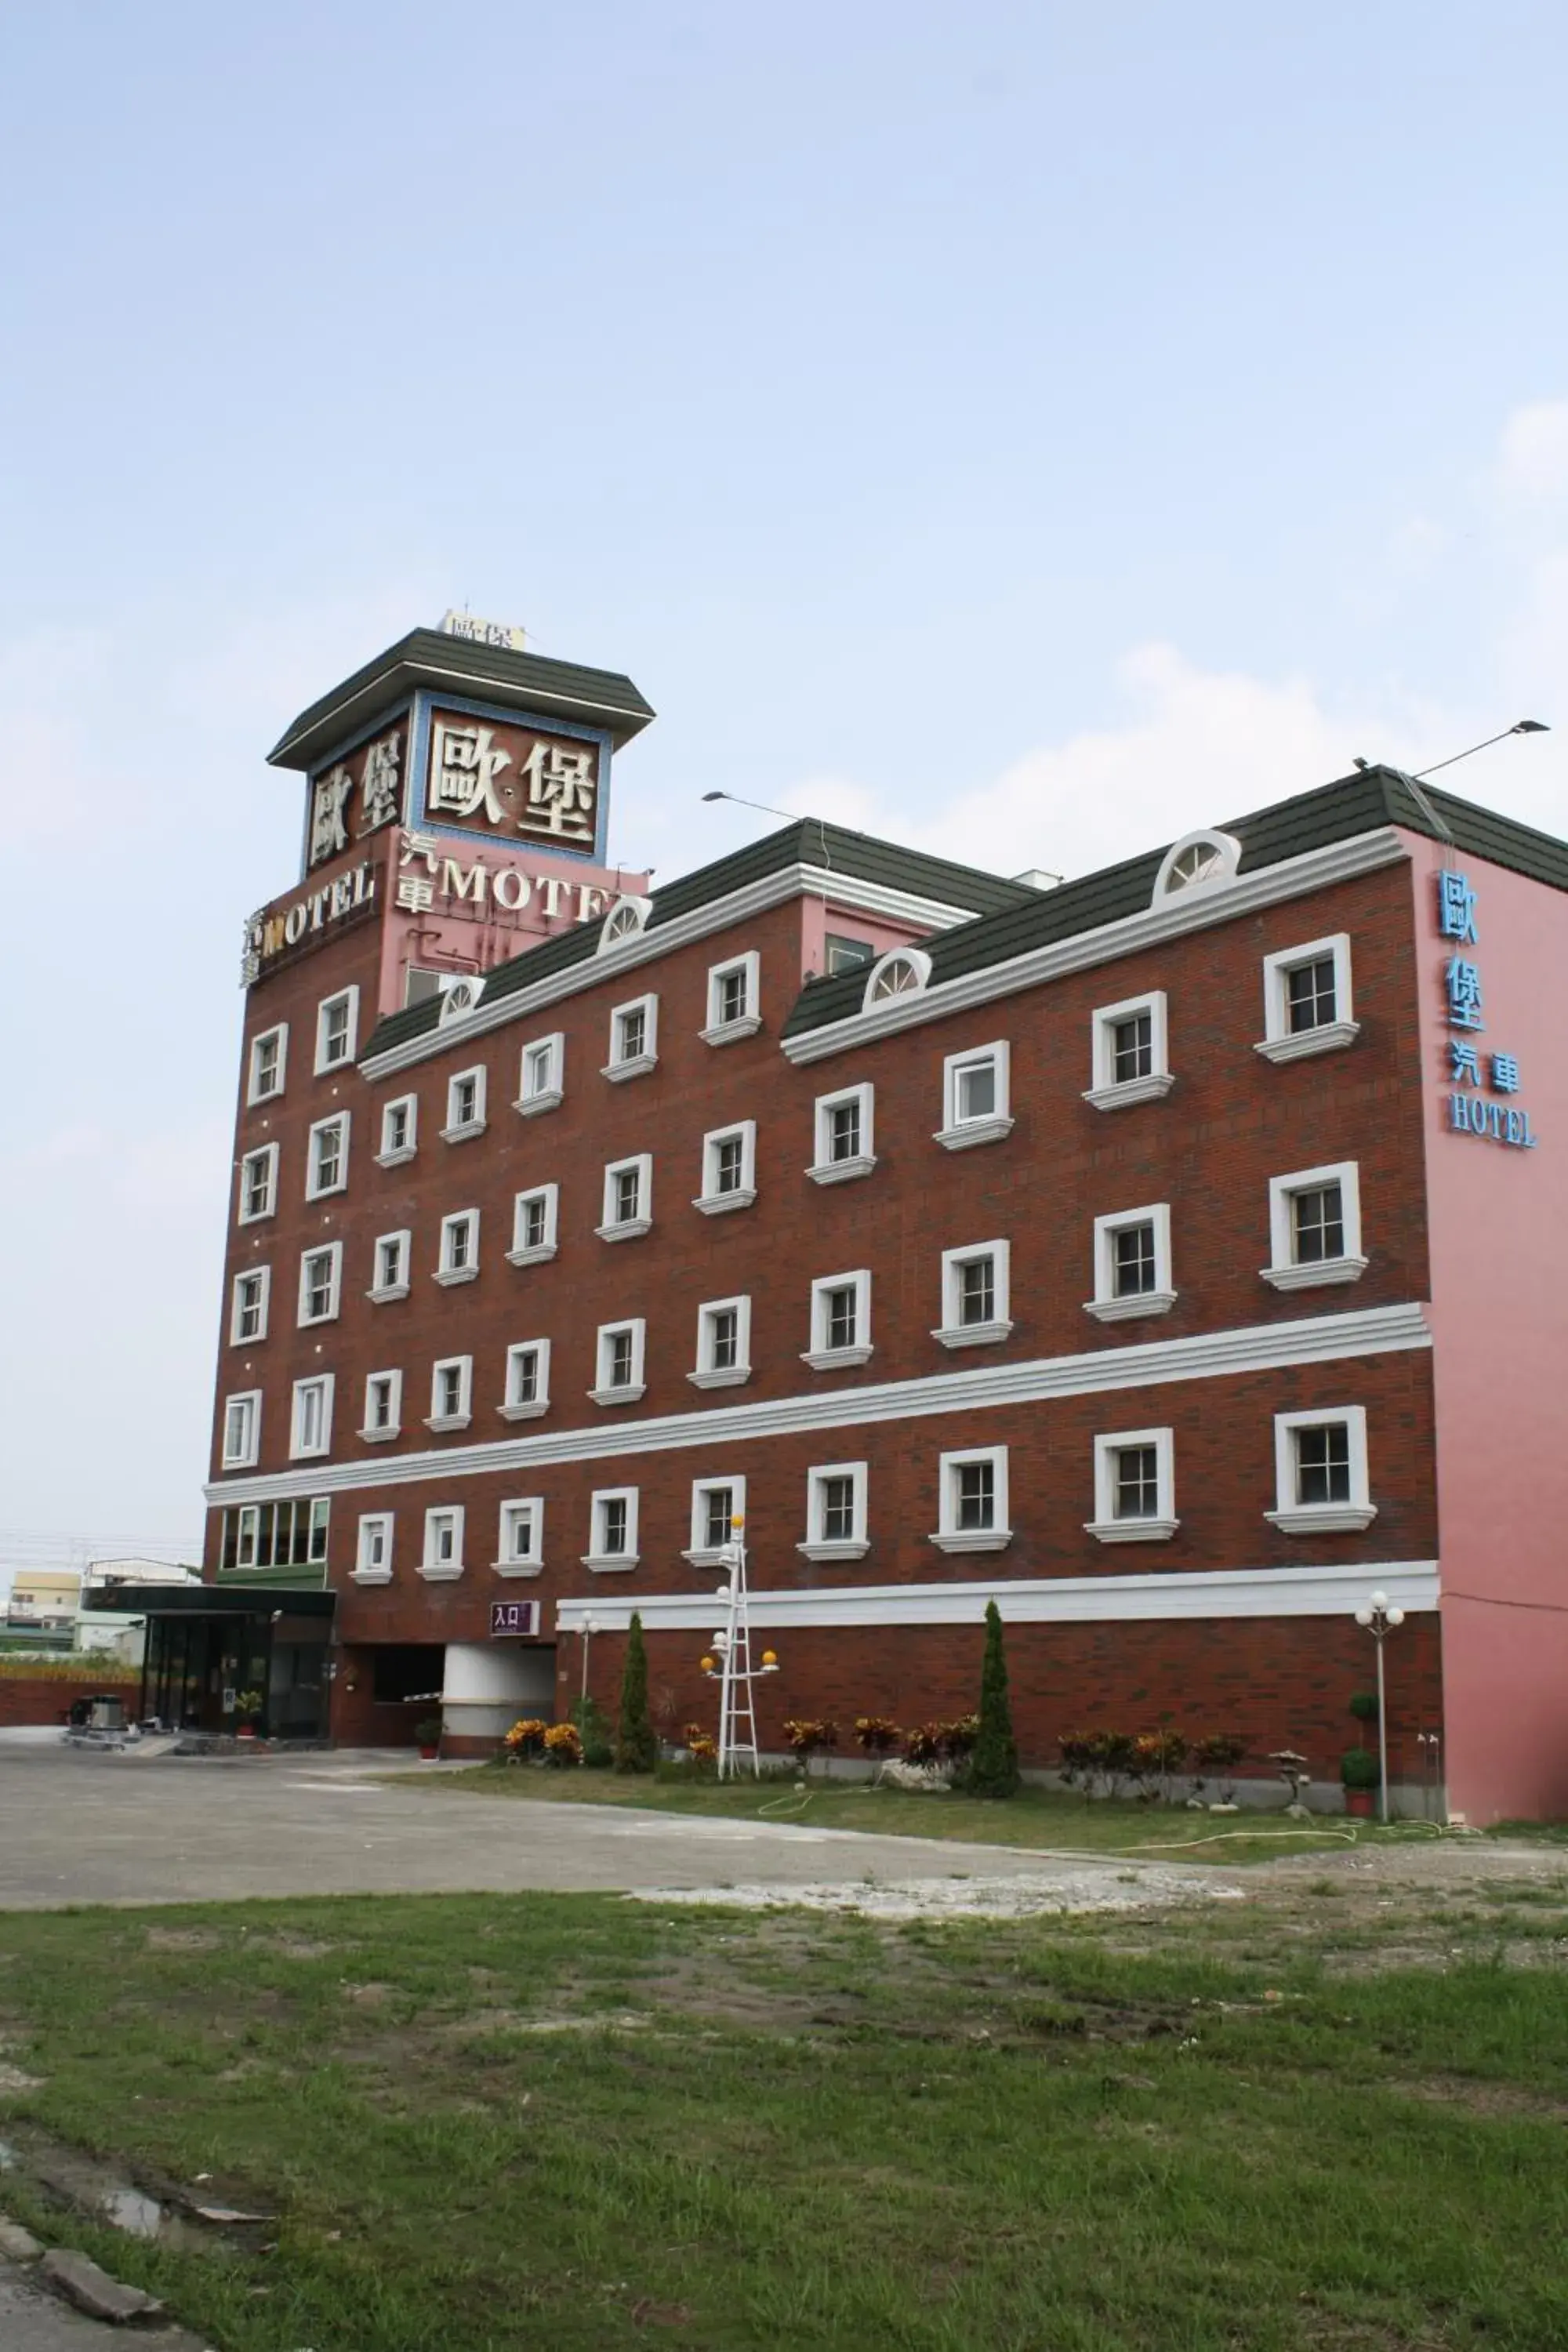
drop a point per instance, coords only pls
(1472, 1074)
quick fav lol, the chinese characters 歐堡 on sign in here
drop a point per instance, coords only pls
(1477, 1075)
(484, 775)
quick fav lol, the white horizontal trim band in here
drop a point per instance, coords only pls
(1255, 1348)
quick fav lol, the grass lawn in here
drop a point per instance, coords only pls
(576, 2122)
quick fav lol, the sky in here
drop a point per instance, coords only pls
(1024, 431)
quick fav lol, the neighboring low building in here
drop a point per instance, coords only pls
(104, 1627)
(44, 1600)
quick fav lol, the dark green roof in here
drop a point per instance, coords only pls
(1362, 802)
(598, 697)
(810, 842)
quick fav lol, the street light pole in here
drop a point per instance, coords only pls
(587, 1629)
(1378, 1618)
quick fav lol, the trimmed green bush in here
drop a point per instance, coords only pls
(1358, 1768)
(993, 1767)
(637, 1749)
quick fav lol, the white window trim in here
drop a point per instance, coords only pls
(630, 1229)
(634, 1066)
(532, 1506)
(244, 1216)
(313, 1191)
(817, 1547)
(372, 1523)
(625, 921)
(327, 1383)
(461, 1130)
(713, 1202)
(373, 1436)
(519, 1254)
(919, 964)
(1284, 1273)
(950, 1537)
(612, 1563)
(602, 1393)
(1204, 837)
(701, 1553)
(550, 1098)
(961, 1135)
(1293, 1519)
(464, 1367)
(251, 1273)
(951, 1331)
(350, 996)
(746, 1025)
(396, 1159)
(335, 1250)
(1105, 1527)
(1107, 1093)
(249, 1457)
(730, 1376)
(1278, 1043)
(379, 1292)
(450, 1276)
(442, 1571)
(1105, 1307)
(819, 1355)
(461, 995)
(252, 1094)
(540, 1405)
(824, 1171)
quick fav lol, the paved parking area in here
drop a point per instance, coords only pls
(80, 1827)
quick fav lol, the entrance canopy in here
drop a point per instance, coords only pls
(225, 1658)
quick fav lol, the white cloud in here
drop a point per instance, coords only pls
(1532, 454)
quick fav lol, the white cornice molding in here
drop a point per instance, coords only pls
(1293, 877)
(1333, 1591)
(1255, 1348)
(647, 947)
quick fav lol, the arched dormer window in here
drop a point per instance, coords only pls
(625, 921)
(904, 973)
(1199, 861)
(459, 997)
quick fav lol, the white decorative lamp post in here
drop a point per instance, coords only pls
(1378, 1618)
(587, 1629)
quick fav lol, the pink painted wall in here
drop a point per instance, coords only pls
(1497, 1220)
(458, 935)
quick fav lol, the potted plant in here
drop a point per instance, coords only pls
(428, 1735)
(1358, 1770)
(247, 1707)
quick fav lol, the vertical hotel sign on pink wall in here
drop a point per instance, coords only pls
(1480, 1078)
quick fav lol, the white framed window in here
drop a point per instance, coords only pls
(526, 1391)
(310, 1421)
(399, 1132)
(442, 1555)
(975, 1294)
(1200, 861)
(389, 1266)
(628, 1199)
(845, 1135)
(835, 1512)
(715, 1502)
(619, 1362)
(520, 1537)
(535, 1217)
(902, 972)
(729, 1169)
(451, 1392)
(382, 1408)
(541, 1074)
(464, 1104)
(327, 1157)
(975, 1096)
(627, 920)
(459, 1258)
(242, 1430)
(723, 1344)
(1314, 1227)
(1134, 1487)
(734, 999)
(1321, 1472)
(320, 1283)
(1307, 1003)
(460, 994)
(841, 1321)
(337, 1030)
(258, 1184)
(372, 1552)
(1130, 1054)
(842, 953)
(248, 1309)
(1132, 1265)
(634, 1039)
(268, 1064)
(612, 1530)
(972, 1501)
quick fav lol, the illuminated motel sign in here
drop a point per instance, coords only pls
(1477, 1075)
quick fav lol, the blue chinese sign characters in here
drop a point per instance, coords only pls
(1476, 1077)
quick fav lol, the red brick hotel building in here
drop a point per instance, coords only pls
(1173, 1255)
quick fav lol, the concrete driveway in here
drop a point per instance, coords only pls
(79, 1827)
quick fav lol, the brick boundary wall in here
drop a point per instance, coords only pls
(47, 1698)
